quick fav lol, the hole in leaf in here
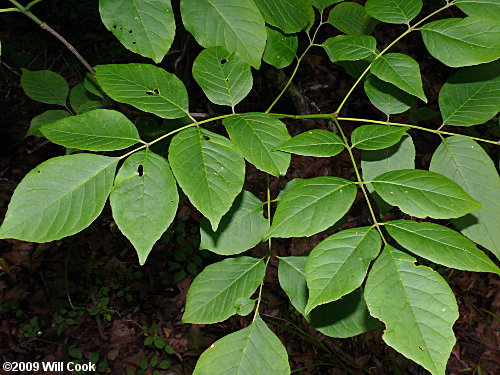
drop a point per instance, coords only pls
(130, 31)
(114, 26)
(149, 92)
(140, 170)
(206, 137)
(134, 42)
(38, 172)
(223, 61)
(157, 91)
(226, 79)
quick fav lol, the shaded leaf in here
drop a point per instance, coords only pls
(422, 193)
(214, 292)
(316, 142)
(387, 97)
(285, 14)
(257, 135)
(376, 137)
(59, 198)
(312, 206)
(146, 87)
(280, 48)
(416, 305)
(242, 228)
(144, 200)
(236, 26)
(209, 169)
(47, 117)
(351, 18)
(350, 48)
(394, 11)
(45, 86)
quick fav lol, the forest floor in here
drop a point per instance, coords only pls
(86, 298)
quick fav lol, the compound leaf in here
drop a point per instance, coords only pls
(212, 295)
(394, 11)
(386, 97)
(280, 48)
(312, 206)
(146, 87)
(422, 193)
(351, 18)
(224, 78)
(440, 245)
(460, 42)
(376, 137)
(316, 142)
(402, 71)
(45, 86)
(144, 200)
(257, 135)
(59, 198)
(242, 228)
(465, 162)
(209, 169)
(47, 117)
(146, 27)
(286, 15)
(471, 96)
(98, 130)
(252, 350)
(236, 26)
(416, 305)
(338, 265)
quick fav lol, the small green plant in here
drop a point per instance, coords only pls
(31, 330)
(356, 279)
(66, 319)
(77, 357)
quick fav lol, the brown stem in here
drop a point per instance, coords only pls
(69, 46)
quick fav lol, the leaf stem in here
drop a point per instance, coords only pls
(259, 298)
(5, 10)
(410, 29)
(435, 131)
(359, 178)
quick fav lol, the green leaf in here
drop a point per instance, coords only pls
(316, 142)
(323, 4)
(394, 11)
(377, 162)
(209, 169)
(224, 77)
(146, 27)
(346, 317)
(45, 86)
(92, 86)
(257, 135)
(244, 306)
(387, 97)
(146, 87)
(350, 48)
(422, 193)
(98, 130)
(252, 350)
(83, 101)
(214, 292)
(417, 306)
(280, 48)
(402, 71)
(480, 8)
(236, 26)
(47, 117)
(471, 96)
(440, 245)
(59, 198)
(376, 137)
(284, 14)
(242, 228)
(462, 42)
(338, 265)
(351, 18)
(144, 200)
(312, 206)
(465, 162)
